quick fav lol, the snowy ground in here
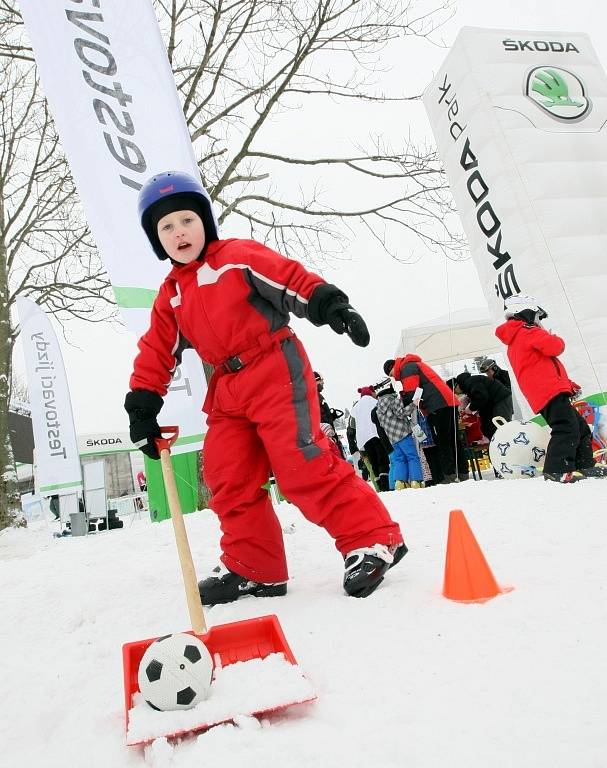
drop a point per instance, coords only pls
(404, 678)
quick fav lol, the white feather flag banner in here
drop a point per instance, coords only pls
(106, 76)
(57, 461)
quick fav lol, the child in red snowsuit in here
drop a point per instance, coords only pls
(533, 354)
(231, 301)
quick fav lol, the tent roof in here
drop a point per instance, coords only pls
(464, 334)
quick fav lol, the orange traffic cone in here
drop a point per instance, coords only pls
(468, 577)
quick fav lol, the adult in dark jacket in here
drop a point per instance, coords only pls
(328, 415)
(441, 407)
(533, 354)
(491, 369)
(489, 397)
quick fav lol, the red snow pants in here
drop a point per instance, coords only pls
(265, 419)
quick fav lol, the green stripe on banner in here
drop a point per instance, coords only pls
(134, 298)
(76, 484)
(189, 440)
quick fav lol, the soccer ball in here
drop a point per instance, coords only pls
(518, 449)
(175, 672)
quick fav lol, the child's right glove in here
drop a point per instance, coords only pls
(329, 306)
(143, 407)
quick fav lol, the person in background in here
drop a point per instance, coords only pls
(357, 462)
(533, 353)
(54, 505)
(488, 397)
(422, 386)
(491, 369)
(368, 439)
(424, 438)
(328, 415)
(398, 421)
(428, 452)
(328, 430)
(141, 481)
(469, 420)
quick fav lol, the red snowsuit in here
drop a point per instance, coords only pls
(532, 353)
(233, 308)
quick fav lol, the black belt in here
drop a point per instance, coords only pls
(265, 343)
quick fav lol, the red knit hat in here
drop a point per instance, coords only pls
(366, 391)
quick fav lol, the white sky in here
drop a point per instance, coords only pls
(389, 295)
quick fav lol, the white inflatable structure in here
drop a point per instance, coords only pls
(520, 119)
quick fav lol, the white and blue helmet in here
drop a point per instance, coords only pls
(173, 191)
(521, 302)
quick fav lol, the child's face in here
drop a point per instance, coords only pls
(181, 234)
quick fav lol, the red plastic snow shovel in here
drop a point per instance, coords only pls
(227, 643)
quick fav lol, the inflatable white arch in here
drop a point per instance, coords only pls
(520, 119)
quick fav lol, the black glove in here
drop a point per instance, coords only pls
(329, 306)
(143, 407)
(353, 324)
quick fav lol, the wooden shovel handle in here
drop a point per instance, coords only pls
(183, 547)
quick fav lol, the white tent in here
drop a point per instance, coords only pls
(463, 335)
(460, 336)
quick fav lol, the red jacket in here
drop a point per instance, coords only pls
(221, 306)
(532, 352)
(412, 373)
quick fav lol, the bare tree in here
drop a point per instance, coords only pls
(46, 252)
(240, 63)
(19, 392)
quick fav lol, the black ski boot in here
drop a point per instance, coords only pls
(228, 586)
(565, 477)
(366, 567)
(598, 470)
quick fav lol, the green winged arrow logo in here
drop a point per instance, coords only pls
(549, 83)
(558, 92)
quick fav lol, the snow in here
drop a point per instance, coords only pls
(238, 689)
(404, 677)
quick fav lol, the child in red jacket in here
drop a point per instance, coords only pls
(231, 301)
(441, 407)
(533, 353)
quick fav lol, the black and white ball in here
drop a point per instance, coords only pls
(175, 672)
(518, 449)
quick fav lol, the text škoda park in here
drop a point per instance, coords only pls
(478, 189)
(47, 383)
